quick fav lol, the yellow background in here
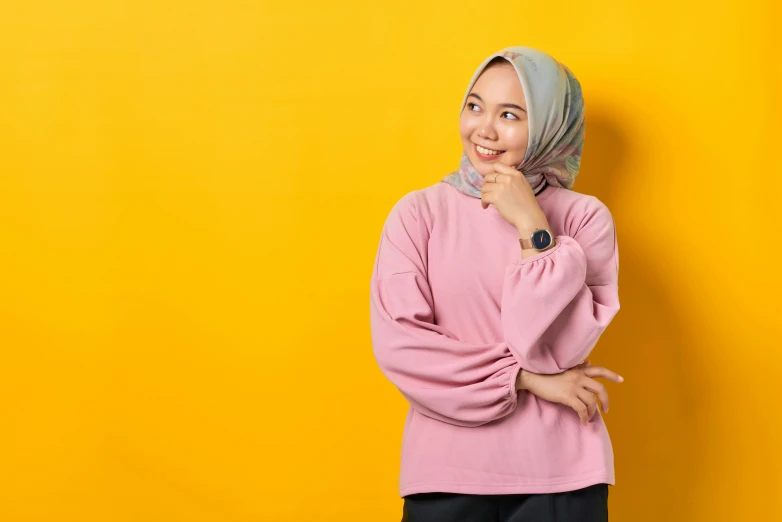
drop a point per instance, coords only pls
(191, 195)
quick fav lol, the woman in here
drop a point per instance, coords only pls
(489, 291)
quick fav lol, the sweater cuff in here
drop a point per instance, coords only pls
(540, 255)
(514, 373)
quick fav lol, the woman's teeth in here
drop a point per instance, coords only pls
(488, 152)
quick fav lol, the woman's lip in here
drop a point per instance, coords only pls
(486, 157)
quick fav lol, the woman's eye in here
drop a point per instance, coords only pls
(512, 115)
(471, 105)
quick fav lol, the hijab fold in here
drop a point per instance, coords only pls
(555, 113)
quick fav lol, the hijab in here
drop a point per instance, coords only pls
(555, 112)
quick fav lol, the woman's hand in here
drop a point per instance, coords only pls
(575, 388)
(512, 196)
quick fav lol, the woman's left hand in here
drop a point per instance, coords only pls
(512, 196)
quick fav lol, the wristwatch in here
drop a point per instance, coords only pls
(540, 240)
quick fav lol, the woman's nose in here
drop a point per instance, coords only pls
(486, 130)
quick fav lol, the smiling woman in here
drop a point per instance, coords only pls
(494, 121)
(489, 291)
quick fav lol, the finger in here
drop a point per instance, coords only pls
(599, 389)
(486, 200)
(590, 401)
(602, 373)
(579, 407)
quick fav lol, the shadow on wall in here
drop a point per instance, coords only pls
(653, 429)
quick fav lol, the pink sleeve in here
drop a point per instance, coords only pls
(455, 382)
(556, 304)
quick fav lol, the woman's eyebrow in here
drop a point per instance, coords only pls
(504, 105)
(512, 106)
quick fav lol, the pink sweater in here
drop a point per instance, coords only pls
(456, 313)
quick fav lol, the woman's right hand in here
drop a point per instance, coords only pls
(575, 388)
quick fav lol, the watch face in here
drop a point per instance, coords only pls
(541, 239)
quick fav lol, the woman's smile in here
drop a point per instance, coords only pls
(487, 154)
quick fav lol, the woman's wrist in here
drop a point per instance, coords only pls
(528, 223)
(527, 228)
(521, 379)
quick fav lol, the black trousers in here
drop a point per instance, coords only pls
(582, 505)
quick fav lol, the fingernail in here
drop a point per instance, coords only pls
(621, 379)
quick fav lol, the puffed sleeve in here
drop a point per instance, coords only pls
(441, 377)
(556, 304)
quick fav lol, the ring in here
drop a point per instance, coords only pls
(495, 178)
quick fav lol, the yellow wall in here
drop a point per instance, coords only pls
(191, 195)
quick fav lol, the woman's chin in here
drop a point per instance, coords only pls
(484, 169)
(481, 167)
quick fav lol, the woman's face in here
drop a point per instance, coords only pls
(495, 118)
